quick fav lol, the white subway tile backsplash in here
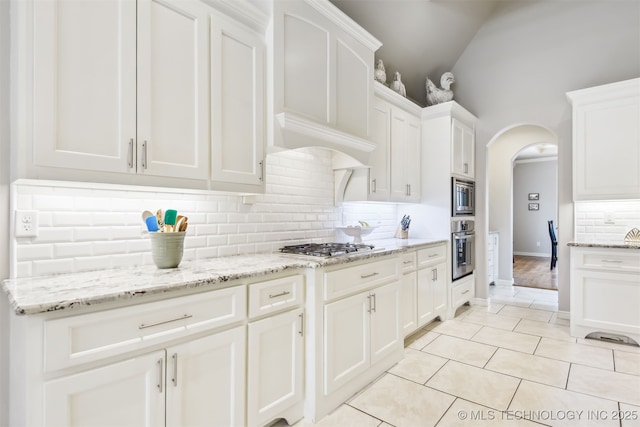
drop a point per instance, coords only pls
(605, 221)
(85, 226)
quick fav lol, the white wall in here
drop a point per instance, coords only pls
(4, 207)
(530, 228)
(517, 70)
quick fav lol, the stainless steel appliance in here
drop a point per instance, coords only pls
(326, 249)
(463, 247)
(462, 197)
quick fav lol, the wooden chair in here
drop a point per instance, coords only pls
(554, 245)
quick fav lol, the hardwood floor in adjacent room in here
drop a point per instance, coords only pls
(533, 272)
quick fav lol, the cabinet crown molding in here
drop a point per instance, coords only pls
(617, 90)
(326, 8)
(451, 108)
(395, 98)
(242, 11)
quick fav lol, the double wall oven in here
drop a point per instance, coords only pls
(462, 230)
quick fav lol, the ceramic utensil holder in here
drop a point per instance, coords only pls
(167, 248)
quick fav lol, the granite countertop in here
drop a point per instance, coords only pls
(65, 291)
(609, 245)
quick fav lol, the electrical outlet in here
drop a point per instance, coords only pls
(538, 244)
(26, 224)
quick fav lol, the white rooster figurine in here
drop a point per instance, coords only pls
(380, 74)
(397, 84)
(437, 95)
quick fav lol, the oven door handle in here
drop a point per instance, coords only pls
(462, 236)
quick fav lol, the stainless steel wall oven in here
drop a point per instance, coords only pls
(463, 248)
(462, 197)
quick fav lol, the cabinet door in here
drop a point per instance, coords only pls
(426, 302)
(605, 301)
(237, 97)
(607, 150)
(408, 303)
(412, 166)
(346, 340)
(205, 380)
(462, 149)
(439, 289)
(84, 84)
(173, 115)
(275, 366)
(385, 321)
(399, 154)
(130, 393)
(379, 173)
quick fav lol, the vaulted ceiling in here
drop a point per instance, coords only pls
(420, 38)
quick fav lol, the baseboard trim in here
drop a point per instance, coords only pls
(564, 315)
(502, 282)
(535, 254)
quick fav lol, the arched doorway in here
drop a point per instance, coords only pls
(502, 149)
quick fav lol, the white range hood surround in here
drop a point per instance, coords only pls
(295, 131)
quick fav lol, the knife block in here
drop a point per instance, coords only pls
(402, 234)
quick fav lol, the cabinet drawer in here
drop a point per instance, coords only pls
(275, 295)
(432, 255)
(614, 260)
(408, 261)
(84, 338)
(348, 280)
(462, 293)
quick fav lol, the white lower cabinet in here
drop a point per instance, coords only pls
(359, 331)
(141, 390)
(605, 290)
(432, 293)
(129, 393)
(461, 292)
(205, 380)
(353, 330)
(275, 367)
(408, 305)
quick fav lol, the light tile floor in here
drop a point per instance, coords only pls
(492, 366)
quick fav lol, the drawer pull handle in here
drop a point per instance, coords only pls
(612, 260)
(366, 276)
(432, 255)
(283, 293)
(465, 292)
(150, 325)
(408, 262)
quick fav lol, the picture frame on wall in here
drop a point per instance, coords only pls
(534, 196)
(534, 206)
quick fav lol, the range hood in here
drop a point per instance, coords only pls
(295, 131)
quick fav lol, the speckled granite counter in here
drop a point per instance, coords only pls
(604, 245)
(64, 291)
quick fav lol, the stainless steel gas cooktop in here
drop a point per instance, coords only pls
(326, 249)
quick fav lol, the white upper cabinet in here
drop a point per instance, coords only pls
(394, 172)
(148, 92)
(323, 78)
(405, 156)
(172, 86)
(84, 84)
(237, 103)
(606, 141)
(121, 87)
(462, 149)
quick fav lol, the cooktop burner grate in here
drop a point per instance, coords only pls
(326, 249)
